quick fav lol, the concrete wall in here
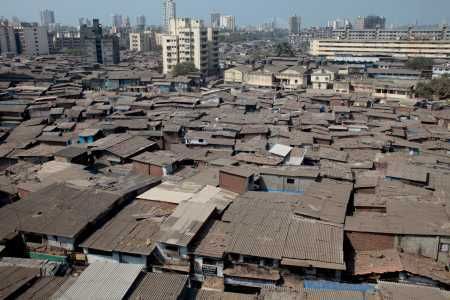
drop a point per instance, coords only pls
(61, 242)
(423, 245)
(259, 79)
(233, 75)
(277, 183)
(116, 257)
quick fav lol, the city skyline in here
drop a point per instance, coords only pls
(68, 13)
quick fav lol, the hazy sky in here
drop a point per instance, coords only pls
(314, 12)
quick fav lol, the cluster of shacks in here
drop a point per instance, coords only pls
(222, 193)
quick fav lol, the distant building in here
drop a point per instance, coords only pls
(66, 40)
(126, 22)
(169, 12)
(141, 22)
(33, 39)
(47, 17)
(98, 48)
(7, 39)
(339, 24)
(398, 48)
(228, 23)
(215, 20)
(190, 41)
(437, 33)
(117, 21)
(142, 41)
(294, 24)
(370, 22)
(441, 70)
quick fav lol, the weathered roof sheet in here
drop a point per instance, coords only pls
(185, 222)
(103, 280)
(314, 243)
(133, 230)
(160, 286)
(61, 210)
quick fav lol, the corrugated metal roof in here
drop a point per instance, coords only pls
(185, 222)
(160, 286)
(103, 281)
(316, 243)
(218, 295)
(280, 150)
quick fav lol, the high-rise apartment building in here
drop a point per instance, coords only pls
(188, 40)
(7, 39)
(33, 39)
(142, 41)
(215, 20)
(126, 22)
(228, 23)
(47, 17)
(97, 47)
(169, 12)
(294, 23)
(117, 21)
(141, 22)
(370, 22)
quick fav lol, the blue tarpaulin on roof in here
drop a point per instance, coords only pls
(336, 286)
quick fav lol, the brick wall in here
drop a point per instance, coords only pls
(233, 183)
(362, 241)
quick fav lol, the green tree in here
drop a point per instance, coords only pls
(284, 49)
(419, 63)
(438, 88)
(184, 68)
(424, 90)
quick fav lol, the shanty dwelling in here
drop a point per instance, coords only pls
(12, 112)
(120, 80)
(341, 113)
(55, 114)
(443, 117)
(72, 154)
(287, 179)
(209, 253)
(116, 149)
(268, 240)
(409, 174)
(250, 132)
(419, 228)
(397, 266)
(161, 286)
(158, 163)
(236, 179)
(88, 136)
(178, 233)
(130, 236)
(172, 134)
(75, 213)
(281, 151)
(103, 280)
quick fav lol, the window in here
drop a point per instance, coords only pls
(171, 248)
(251, 260)
(209, 261)
(444, 247)
(99, 252)
(34, 238)
(290, 180)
